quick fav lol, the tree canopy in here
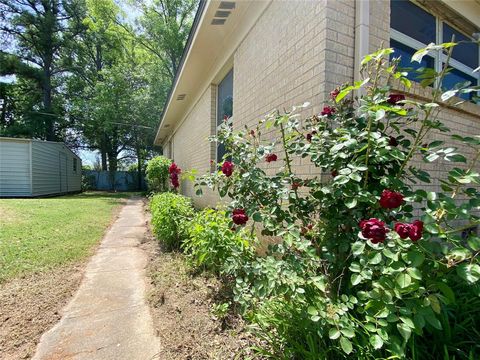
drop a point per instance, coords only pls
(92, 73)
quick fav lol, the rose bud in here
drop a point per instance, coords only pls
(393, 141)
(328, 111)
(334, 94)
(393, 99)
(271, 157)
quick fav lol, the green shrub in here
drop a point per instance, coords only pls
(367, 255)
(157, 173)
(212, 242)
(171, 214)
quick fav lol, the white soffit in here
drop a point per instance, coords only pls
(220, 30)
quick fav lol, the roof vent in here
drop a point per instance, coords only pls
(222, 14)
(181, 96)
(166, 125)
(227, 5)
(218, 21)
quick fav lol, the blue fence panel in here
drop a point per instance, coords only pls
(124, 180)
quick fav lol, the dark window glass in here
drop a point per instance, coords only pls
(413, 21)
(454, 77)
(220, 152)
(225, 98)
(74, 165)
(405, 53)
(466, 53)
(224, 106)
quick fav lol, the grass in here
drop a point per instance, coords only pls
(41, 234)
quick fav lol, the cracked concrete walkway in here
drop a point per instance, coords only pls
(108, 318)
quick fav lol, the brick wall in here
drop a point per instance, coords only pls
(191, 148)
(297, 51)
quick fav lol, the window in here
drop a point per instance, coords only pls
(74, 165)
(224, 107)
(413, 28)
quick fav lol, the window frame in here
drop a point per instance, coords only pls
(438, 60)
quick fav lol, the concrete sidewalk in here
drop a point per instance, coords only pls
(108, 318)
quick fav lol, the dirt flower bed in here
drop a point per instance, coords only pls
(32, 304)
(182, 305)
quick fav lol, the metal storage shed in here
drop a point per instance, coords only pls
(37, 168)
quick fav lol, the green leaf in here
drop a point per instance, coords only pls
(351, 203)
(356, 279)
(433, 321)
(312, 311)
(257, 217)
(415, 273)
(403, 280)
(376, 341)
(358, 247)
(334, 333)
(404, 330)
(346, 345)
(415, 258)
(469, 272)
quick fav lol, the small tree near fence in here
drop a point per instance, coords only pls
(157, 173)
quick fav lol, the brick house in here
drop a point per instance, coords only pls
(246, 58)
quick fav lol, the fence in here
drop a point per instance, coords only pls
(123, 181)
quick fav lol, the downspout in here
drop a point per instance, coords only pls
(362, 34)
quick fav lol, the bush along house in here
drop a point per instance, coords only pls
(244, 59)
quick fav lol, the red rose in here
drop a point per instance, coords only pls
(374, 230)
(334, 173)
(393, 141)
(416, 230)
(296, 185)
(239, 217)
(174, 180)
(310, 135)
(393, 99)
(271, 157)
(403, 230)
(328, 110)
(413, 230)
(252, 132)
(391, 199)
(174, 169)
(227, 168)
(334, 94)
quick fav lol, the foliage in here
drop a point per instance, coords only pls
(212, 242)
(365, 259)
(157, 173)
(170, 216)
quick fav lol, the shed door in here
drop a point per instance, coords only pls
(63, 172)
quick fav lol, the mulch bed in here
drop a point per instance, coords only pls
(181, 304)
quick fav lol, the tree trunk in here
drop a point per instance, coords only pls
(139, 168)
(112, 169)
(47, 106)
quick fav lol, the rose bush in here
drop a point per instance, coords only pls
(365, 258)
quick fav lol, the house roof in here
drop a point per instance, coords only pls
(218, 28)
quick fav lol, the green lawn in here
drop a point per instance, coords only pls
(40, 234)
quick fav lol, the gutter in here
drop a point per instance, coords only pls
(186, 49)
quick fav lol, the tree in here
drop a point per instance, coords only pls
(36, 32)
